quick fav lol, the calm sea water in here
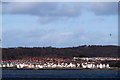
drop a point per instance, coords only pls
(60, 73)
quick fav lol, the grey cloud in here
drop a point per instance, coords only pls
(47, 12)
(59, 9)
(42, 9)
(104, 8)
(54, 11)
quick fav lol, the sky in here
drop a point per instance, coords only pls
(59, 24)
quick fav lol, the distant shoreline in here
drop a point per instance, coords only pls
(112, 68)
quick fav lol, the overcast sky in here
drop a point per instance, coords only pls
(60, 24)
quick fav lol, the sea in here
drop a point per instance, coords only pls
(59, 74)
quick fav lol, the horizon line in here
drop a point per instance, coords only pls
(55, 46)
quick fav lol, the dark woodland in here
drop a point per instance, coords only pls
(68, 52)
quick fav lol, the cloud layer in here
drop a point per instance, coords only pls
(48, 12)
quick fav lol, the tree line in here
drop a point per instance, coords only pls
(68, 52)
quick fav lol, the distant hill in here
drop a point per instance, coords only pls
(69, 52)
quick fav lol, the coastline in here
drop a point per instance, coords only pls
(112, 68)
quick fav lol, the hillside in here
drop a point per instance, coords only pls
(69, 52)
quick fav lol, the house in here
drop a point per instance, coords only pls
(21, 65)
(100, 66)
(89, 65)
(107, 66)
(84, 65)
